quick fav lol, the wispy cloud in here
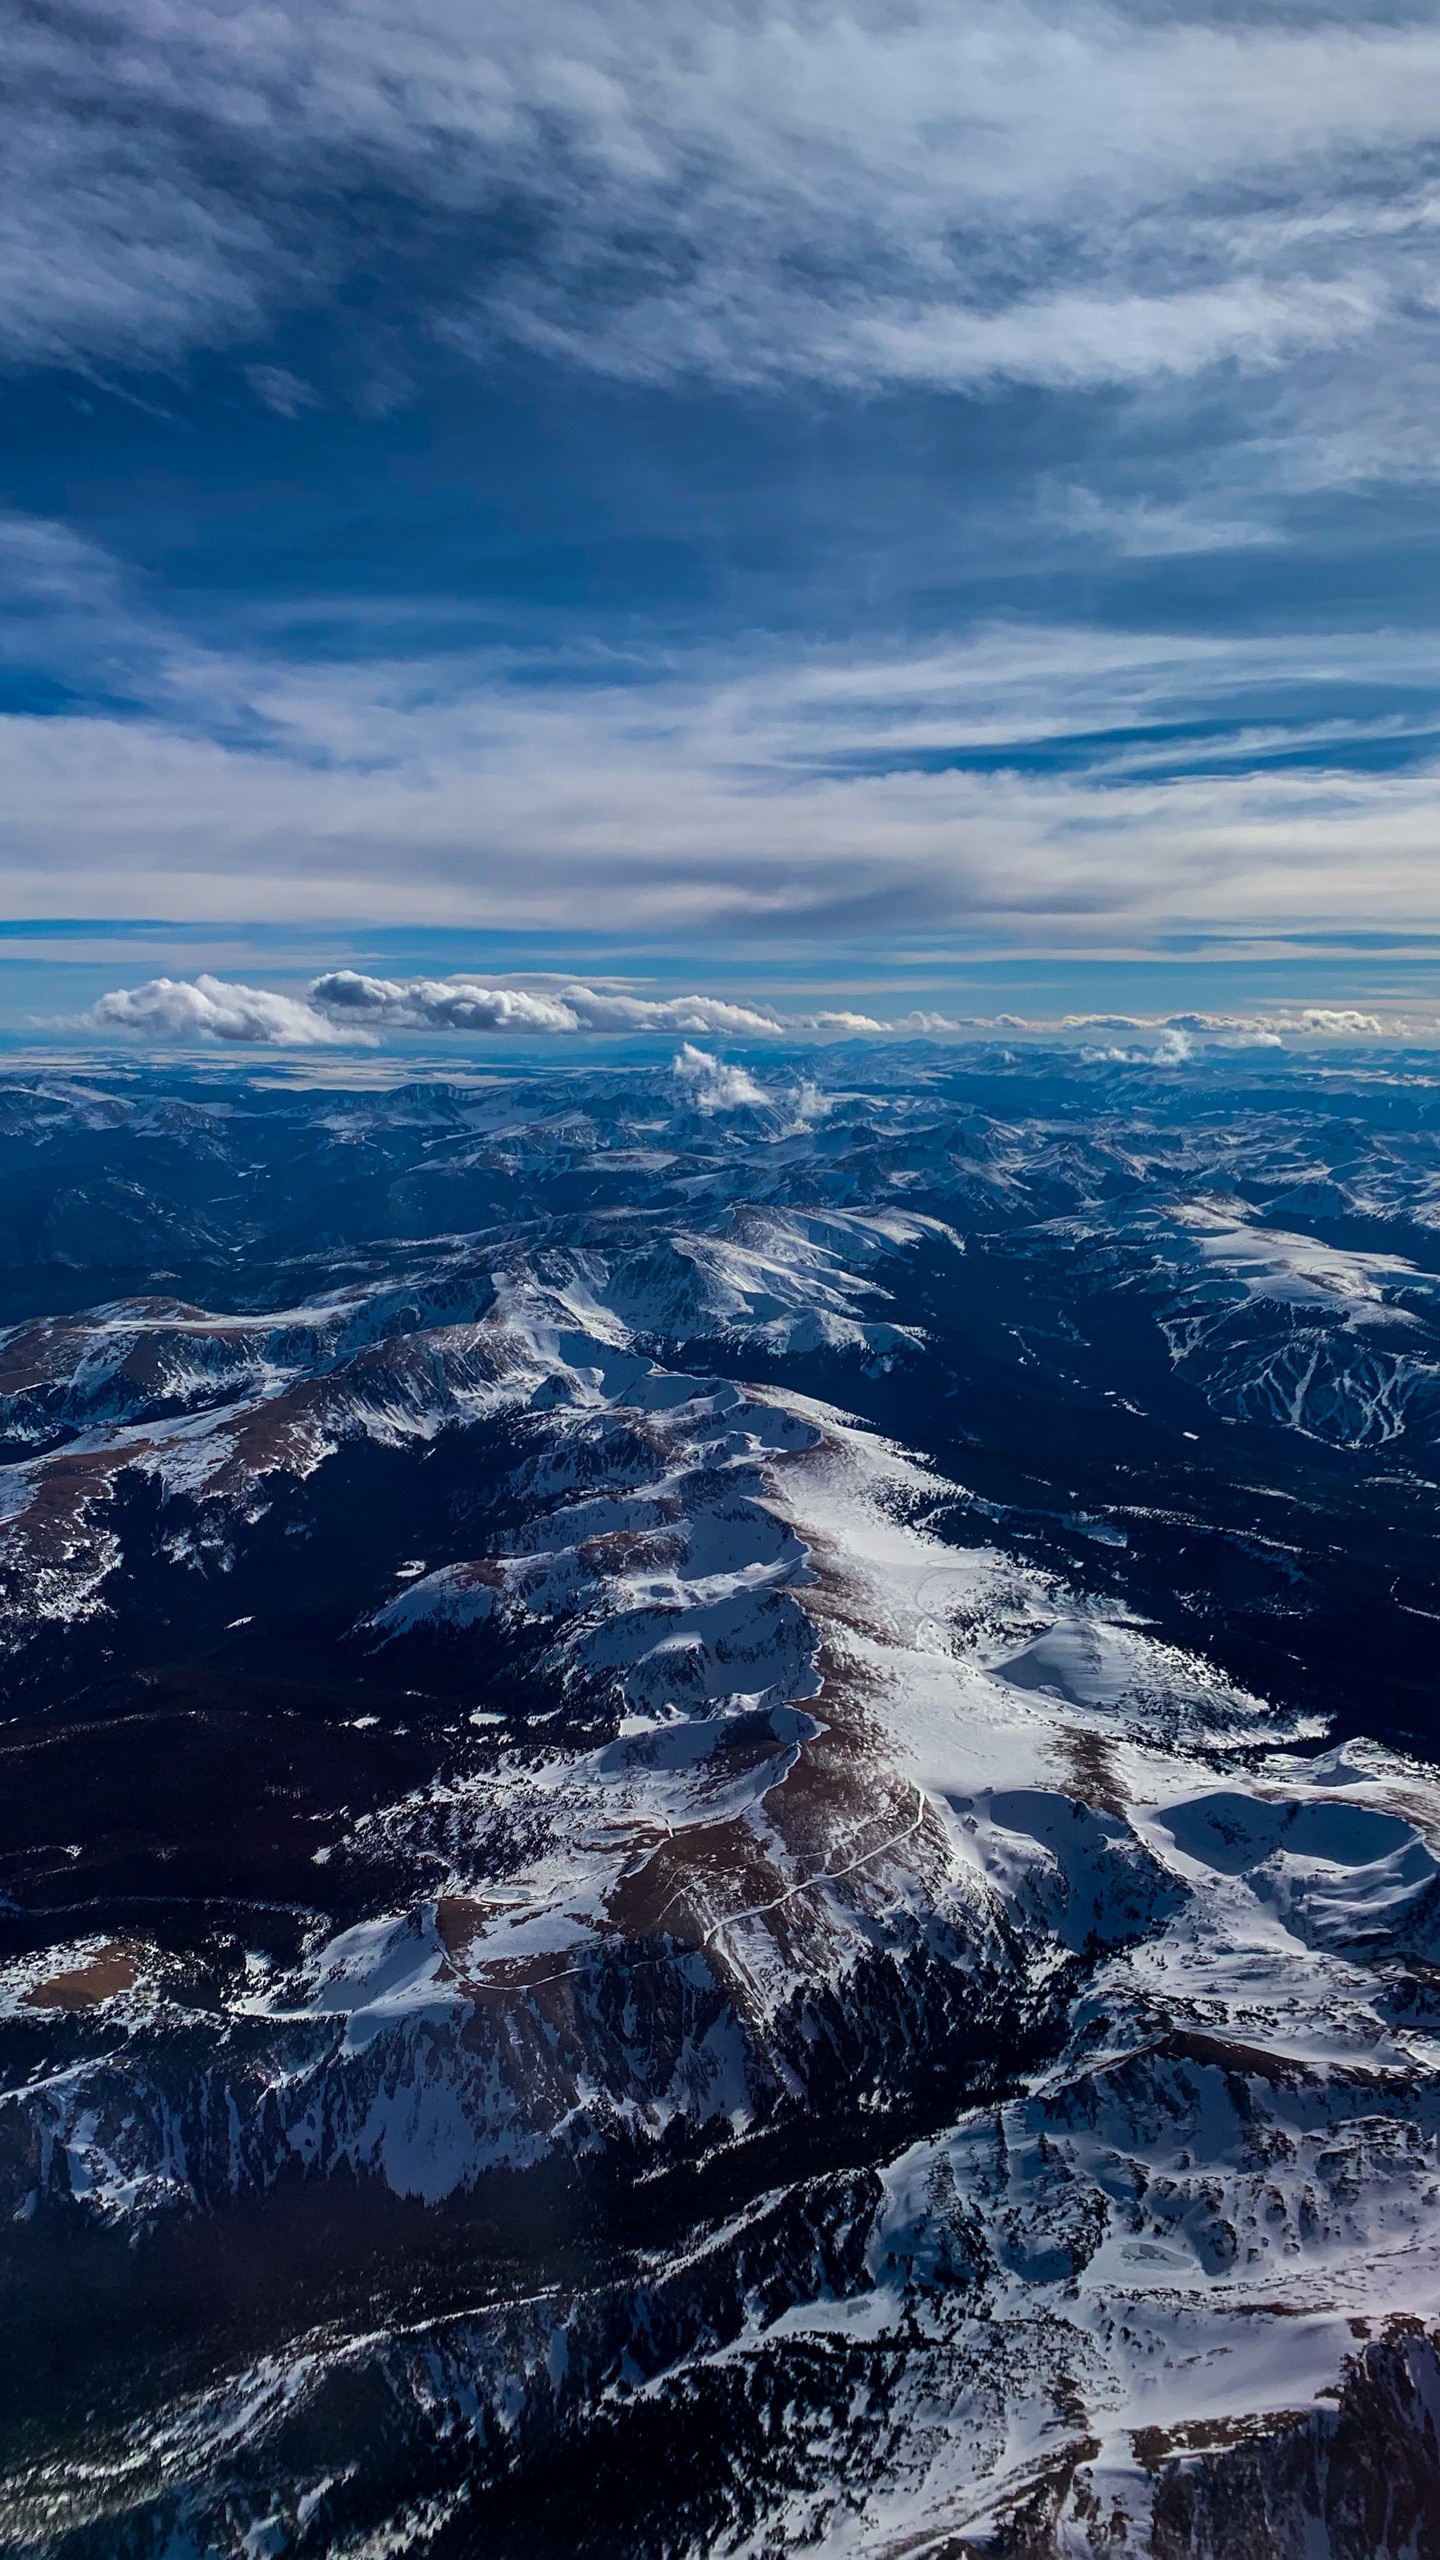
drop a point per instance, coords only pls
(1202, 243)
(863, 196)
(1035, 780)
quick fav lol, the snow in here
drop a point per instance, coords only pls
(836, 1751)
(1296, 1270)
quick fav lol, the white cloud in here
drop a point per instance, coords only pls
(1341, 1021)
(712, 1085)
(347, 1005)
(213, 1009)
(856, 1026)
(1172, 1049)
(868, 196)
(1080, 340)
(863, 193)
(804, 794)
(578, 820)
(466, 1004)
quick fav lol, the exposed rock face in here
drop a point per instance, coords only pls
(1361, 2481)
(600, 1956)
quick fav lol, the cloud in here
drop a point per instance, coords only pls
(862, 195)
(1341, 1021)
(122, 823)
(712, 1085)
(806, 793)
(1036, 781)
(1080, 341)
(347, 1005)
(465, 1004)
(213, 1009)
(280, 389)
(1203, 1022)
(855, 1026)
(1172, 1049)
(1228, 217)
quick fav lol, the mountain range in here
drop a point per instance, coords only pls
(721, 1810)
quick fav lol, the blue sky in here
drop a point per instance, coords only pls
(909, 507)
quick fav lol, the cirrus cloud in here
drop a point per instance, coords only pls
(859, 195)
(1023, 779)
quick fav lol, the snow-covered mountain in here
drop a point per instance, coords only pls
(722, 1826)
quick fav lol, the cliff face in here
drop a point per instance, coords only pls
(601, 1955)
(1361, 2479)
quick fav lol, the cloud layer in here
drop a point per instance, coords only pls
(348, 1006)
(1024, 780)
(1173, 269)
(858, 196)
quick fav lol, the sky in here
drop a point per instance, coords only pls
(899, 512)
